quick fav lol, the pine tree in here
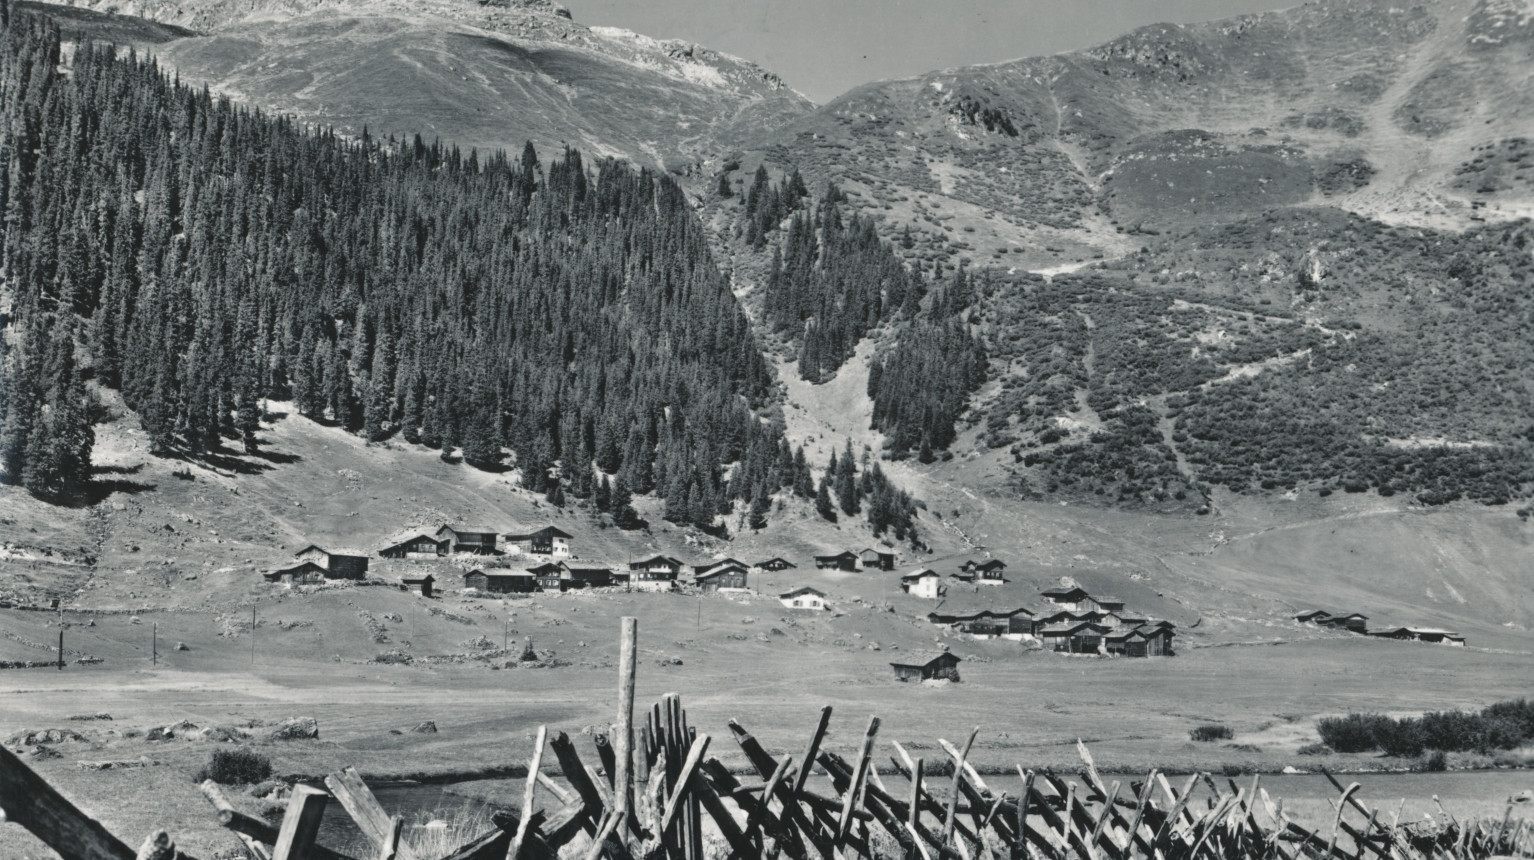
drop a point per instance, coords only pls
(761, 504)
(846, 473)
(624, 515)
(823, 505)
(604, 496)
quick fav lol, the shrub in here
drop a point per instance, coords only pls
(1434, 761)
(236, 767)
(1400, 738)
(1314, 749)
(1212, 732)
(1352, 733)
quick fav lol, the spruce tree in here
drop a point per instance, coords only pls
(823, 505)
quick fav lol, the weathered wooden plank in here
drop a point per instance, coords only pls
(623, 740)
(575, 773)
(529, 793)
(301, 824)
(346, 785)
(389, 848)
(28, 800)
(810, 753)
(855, 789)
(958, 778)
(683, 784)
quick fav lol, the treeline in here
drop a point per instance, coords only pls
(845, 489)
(200, 258)
(922, 386)
(1500, 726)
(831, 281)
(767, 204)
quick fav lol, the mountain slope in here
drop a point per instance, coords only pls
(1409, 114)
(490, 76)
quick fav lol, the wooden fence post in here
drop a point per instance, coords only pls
(301, 824)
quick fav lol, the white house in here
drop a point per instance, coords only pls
(804, 598)
(923, 583)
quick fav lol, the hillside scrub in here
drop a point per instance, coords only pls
(1502, 726)
(236, 767)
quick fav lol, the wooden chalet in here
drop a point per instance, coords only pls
(775, 564)
(1422, 634)
(423, 585)
(549, 540)
(573, 578)
(804, 598)
(1140, 642)
(1081, 637)
(1312, 616)
(723, 562)
(548, 575)
(933, 666)
(988, 572)
(501, 581)
(872, 559)
(923, 583)
(421, 545)
(840, 561)
(1065, 598)
(1015, 623)
(657, 573)
(339, 564)
(724, 577)
(1107, 603)
(480, 541)
(989, 564)
(303, 573)
(1354, 622)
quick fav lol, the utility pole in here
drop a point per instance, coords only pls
(252, 637)
(61, 650)
(154, 644)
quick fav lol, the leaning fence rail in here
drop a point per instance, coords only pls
(656, 791)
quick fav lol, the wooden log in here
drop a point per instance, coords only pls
(810, 753)
(28, 800)
(740, 845)
(158, 846)
(301, 824)
(389, 848)
(529, 793)
(928, 802)
(1102, 819)
(767, 789)
(859, 774)
(256, 848)
(346, 785)
(683, 783)
(610, 826)
(913, 813)
(794, 814)
(958, 778)
(623, 754)
(575, 773)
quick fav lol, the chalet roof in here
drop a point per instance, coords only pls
(1106, 599)
(719, 571)
(1358, 615)
(470, 529)
(1311, 614)
(776, 560)
(304, 567)
(348, 552)
(720, 563)
(922, 659)
(991, 564)
(920, 574)
(407, 537)
(550, 531)
(659, 559)
(1068, 629)
(878, 552)
(545, 568)
(803, 589)
(843, 554)
(1071, 592)
(502, 574)
(963, 576)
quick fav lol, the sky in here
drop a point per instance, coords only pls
(823, 48)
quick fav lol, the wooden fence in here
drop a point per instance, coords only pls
(656, 794)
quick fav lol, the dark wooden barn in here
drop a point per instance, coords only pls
(940, 666)
(840, 561)
(424, 585)
(418, 546)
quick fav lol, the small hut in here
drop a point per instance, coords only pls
(935, 666)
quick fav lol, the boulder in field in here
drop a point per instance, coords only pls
(297, 728)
